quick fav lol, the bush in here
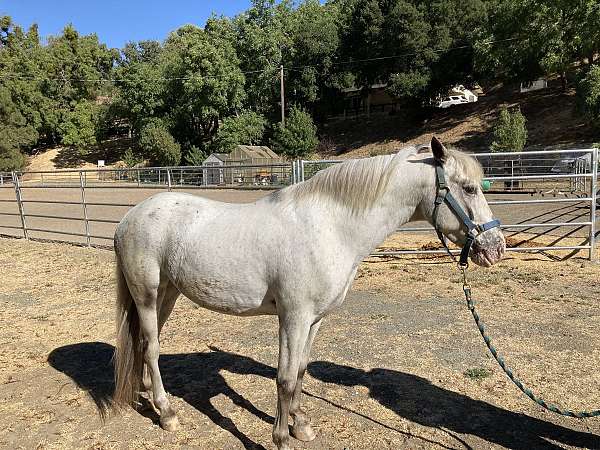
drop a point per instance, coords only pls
(195, 156)
(158, 145)
(246, 129)
(299, 136)
(588, 96)
(510, 132)
(81, 126)
(11, 159)
(131, 159)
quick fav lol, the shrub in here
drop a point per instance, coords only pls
(299, 136)
(158, 145)
(510, 132)
(81, 126)
(195, 156)
(246, 129)
(11, 159)
(131, 159)
(588, 96)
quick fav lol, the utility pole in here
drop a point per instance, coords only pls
(282, 96)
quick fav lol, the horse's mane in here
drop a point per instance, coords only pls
(359, 183)
(356, 183)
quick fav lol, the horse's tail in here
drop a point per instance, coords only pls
(128, 358)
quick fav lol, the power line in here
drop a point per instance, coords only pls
(249, 72)
(403, 55)
(116, 80)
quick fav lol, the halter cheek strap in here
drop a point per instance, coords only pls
(444, 195)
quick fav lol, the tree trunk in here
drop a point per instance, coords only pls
(563, 81)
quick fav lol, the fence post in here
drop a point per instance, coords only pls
(84, 205)
(168, 179)
(17, 185)
(594, 196)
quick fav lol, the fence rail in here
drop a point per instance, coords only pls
(567, 176)
(567, 179)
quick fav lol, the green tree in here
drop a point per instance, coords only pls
(141, 87)
(195, 157)
(158, 145)
(588, 96)
(131, 159)
(82, 127)
(299, 136)
(544, 37)
(248, 128)
(510, 132)
(204, 84)
(261, 38)
(409, 45)
(15, 133)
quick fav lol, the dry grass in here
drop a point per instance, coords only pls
(388, 372)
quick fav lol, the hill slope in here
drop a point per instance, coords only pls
(552, 121)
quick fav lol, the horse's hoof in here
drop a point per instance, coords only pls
(304, 433)
(170, 423)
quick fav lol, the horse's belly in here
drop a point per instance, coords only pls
(219, 296)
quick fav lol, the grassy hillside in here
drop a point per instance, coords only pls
(552, 121)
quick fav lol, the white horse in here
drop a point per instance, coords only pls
(292, 254)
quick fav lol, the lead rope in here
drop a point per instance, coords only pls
(500, 360)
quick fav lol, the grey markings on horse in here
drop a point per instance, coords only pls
(292, 254)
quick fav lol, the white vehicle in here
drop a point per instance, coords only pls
(452, 100)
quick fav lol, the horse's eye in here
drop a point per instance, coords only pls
(470, 189)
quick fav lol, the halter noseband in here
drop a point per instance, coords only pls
(443, 195)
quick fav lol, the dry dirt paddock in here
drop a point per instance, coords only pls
(399, 366)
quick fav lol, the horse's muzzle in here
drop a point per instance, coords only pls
(488, 248)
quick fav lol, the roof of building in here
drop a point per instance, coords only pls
(220, 156)
(257, 151)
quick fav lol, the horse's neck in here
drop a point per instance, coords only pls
(364, 231)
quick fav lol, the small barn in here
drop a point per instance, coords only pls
(252, 155)
(214, 176)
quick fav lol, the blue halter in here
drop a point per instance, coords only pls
(473, 230)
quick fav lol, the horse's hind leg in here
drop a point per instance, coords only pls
(301, 429)
(148, 311)
(166, 297)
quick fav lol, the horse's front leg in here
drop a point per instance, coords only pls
(294, 328)
(301, 429)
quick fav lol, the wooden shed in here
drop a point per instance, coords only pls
(253, 155)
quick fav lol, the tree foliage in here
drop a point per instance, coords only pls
(248, 128)
(210, 88)
(158, 145)
(195, 157)
(299, 135)
(588, 95)
(510, 133)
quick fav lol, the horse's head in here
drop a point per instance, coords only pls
(460, 175)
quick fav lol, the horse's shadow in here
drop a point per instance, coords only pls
(196, 378)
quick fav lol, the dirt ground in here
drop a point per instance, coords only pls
(399, 366)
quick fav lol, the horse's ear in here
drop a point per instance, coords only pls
(439, 151)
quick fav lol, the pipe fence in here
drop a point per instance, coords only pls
(536, 192)
(536, 178)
